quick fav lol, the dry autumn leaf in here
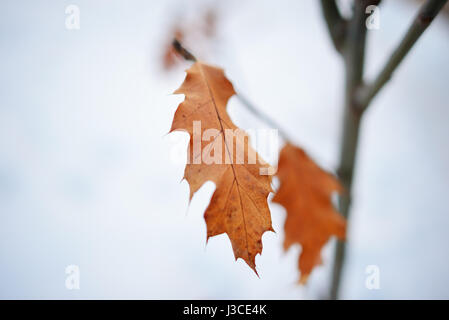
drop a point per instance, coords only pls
(305, 192)
(239, 204)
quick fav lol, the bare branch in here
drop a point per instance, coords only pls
(336, 24)
(423, 19)
(354, 58)
(358, 96)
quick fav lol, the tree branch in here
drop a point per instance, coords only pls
(423, 19)
(358, 97)
(336, 24)
(354, 58)
(187, 55)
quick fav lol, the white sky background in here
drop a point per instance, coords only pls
(86, 175)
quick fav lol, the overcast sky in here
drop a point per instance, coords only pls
(88, 176)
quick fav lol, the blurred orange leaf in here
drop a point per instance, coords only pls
(305, 192)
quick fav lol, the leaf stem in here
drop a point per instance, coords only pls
(183, 51)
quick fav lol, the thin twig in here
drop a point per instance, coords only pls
(262, 116)
(422, 20)
(187, 55)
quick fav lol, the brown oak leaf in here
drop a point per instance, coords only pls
(220, 152)
(305, 192)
